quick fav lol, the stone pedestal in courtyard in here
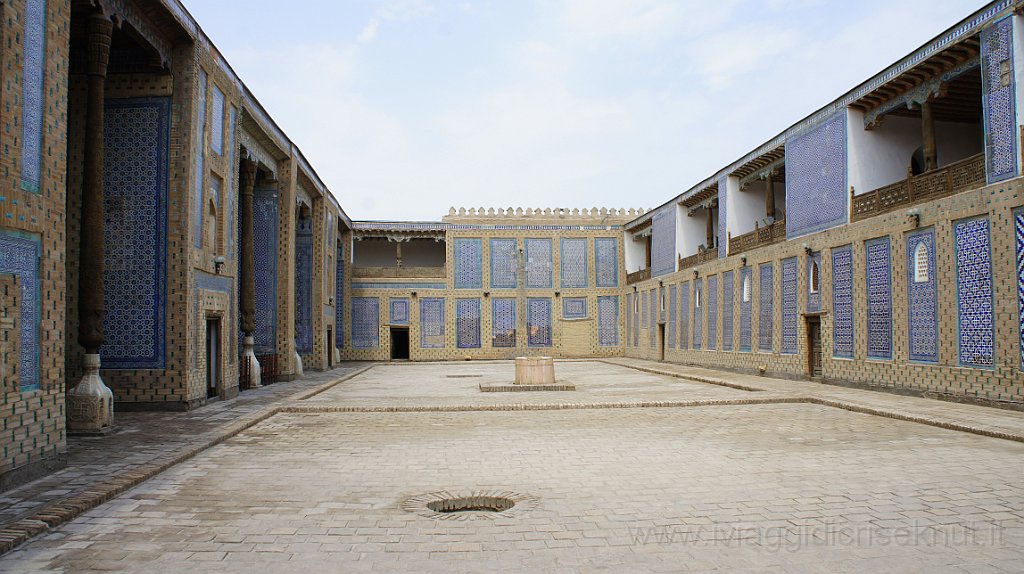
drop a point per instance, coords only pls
(535, 371)
(90, 403)
(254, 370)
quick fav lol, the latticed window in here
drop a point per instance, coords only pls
(921, 263)
(746, 289)
(815, 277)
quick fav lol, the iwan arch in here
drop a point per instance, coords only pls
(154, 218)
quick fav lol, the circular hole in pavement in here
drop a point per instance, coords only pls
(472, 504)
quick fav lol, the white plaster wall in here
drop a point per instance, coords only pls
(956, 141)
(880, 156)
(1018, 66)
(692, 231)
(682, 244)
(747, 207)
(635, 254)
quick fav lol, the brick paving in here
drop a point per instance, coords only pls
(780, 486)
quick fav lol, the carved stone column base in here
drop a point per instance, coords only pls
(337, 356)
(90, 403)
(298, 366)
(249, 356)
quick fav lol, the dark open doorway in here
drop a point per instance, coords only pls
(399, 344)
(329, 345)
(661, 341)
(212, 358)
(814, 346)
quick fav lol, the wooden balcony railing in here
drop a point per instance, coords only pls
(956, 177)
(638, 276)
(398, 272)
(695, 260)
(759, 237)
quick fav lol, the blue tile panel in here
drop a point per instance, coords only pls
(573, 261)
(339, 298)
(233, 177)
(19, 256)
(629, 319)
(1018, 223)
(469, 263)
(217, 122)
(698, 313)
(663, 241)
(790, 312)
(670, 330)
(220, 284)
(879, 292)
(503, 264)
(842, 302)
(135, 166)
(200, 164)
(746, 309)
(539, 263)
(467, 323)
(652, 327)
(644, 309)
(304, 286)
(264, 223)
(998, 100)
(503, 322)
(399, 311)
(365, 322)
(684, 315)
(814, 298)
(923, 322)
(723, 205)
(974, 292)
(32, 94)
(606, 260)
(636, 318)
(728, 305)
(608, 321)
(712, 297)
(766, 311)
(538, 317)
(432, 323)
(816, 191)
(574, 307)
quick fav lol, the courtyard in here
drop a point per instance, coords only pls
(646, 467)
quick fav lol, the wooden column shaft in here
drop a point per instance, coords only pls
(247, 271)
(928, 136)
(769, 196)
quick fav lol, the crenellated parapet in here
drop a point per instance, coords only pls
(561, 214)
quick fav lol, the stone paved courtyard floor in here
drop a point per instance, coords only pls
(694, 480)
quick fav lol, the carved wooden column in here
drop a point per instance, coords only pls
(928, 135)
(769, 195)
(711, 227)
(247, 272)
(91, 403)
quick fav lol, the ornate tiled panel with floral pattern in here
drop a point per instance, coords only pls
(574, 307)
(684, 315)
(304, 285)
(923, 320)
(1018, 224)
(813, 296)
(712, 305)
(671, 328)
(766, 289)
(469, 262)
(538, 317)
(33, 95)
(698, 312)
(746, 309)
(723, 211)
(652, 328)
(217, 121)
(608, 321)
(503, 263)
(790, 312)
(974, 292)
(339, 298)
(19, 256)
(999, 91)
(365, 322)
(539, 263)
(467, 323)
(663, 241)
(200, 165)
(432, 323)
(573, 260)
(503, 322)
(606, 257)
(842, 302)
(728, 305)
(398, 311)
(879, 293)
(816, 191)
(264, 222)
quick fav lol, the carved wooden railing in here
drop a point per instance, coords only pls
(759, 237)
(956, 177)
(638, 276)
(695, 260)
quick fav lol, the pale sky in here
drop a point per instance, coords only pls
(408, 107)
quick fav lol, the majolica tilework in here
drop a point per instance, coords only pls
(1018, 223)
(467, 323)
(135, 166)
(698, 313)
(264, 222)
(923, 321)
(663, 241)
(19, 256)
(365, 322)
(636, 318)
(503, 264)
(999, 92)
(469, 262)
(816, 191)
(538, 317)
(723, 205)
(789, 306)
(399, 311)
(746, 309)
(670, 330)
(539, 263)
(842, 302)
(629, 319)
(879, 292)
(573, 260)
(339, 298)
(233, 176)
(574, 307)
(200, 164)
(652, 328)
(712, 306)
(974, 292)
(814, 296)
(606, 256)
(728, 304)
(432, 323)
(32, 94)
(767, 309)
(644, 308)
(684, 315)
(220, 284)
(304, 285)
(503, 322)
(608, 321)
(217, 121)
